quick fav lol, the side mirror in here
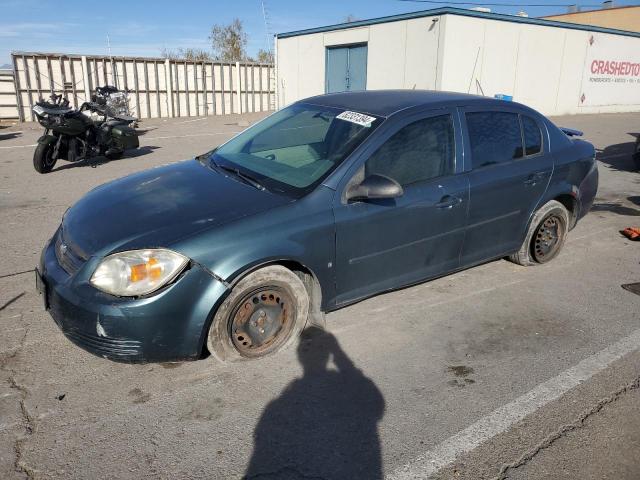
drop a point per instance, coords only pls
(375, 187)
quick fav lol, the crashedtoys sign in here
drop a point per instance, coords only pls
(611, 73)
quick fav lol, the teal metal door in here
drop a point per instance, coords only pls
(346, 68)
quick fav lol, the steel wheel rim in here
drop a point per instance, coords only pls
(546, 241)
(262, 321)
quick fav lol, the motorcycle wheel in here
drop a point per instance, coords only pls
(42, 158)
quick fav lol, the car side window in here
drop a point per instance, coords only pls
(532, 136)
(417, 152)
(495, 137)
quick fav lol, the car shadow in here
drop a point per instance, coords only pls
(615, 207)
(9, 135)
(324, 424)
(97, 161)
(620, 155)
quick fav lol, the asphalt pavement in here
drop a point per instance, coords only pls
(499, 371)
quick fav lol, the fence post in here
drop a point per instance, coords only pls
(16, 83)
(85, 79)
(168, 80)
(238, 89)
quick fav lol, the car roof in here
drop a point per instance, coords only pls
(384, 103)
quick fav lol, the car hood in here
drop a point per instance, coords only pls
(157, 207)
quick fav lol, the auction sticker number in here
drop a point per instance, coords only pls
(358, 118)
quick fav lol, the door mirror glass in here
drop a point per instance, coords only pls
(375, 187)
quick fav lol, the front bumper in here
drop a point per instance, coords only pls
(167, 326)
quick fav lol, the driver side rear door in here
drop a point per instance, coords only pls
(385, 244)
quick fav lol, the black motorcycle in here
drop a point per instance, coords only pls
(71, 135)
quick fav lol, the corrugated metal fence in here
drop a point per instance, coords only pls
(157, 87)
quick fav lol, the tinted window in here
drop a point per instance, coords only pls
(532, 136)
(495, 137)
(420, 151)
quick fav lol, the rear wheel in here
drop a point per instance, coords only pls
(265, 312)
(43, 160)
(546, 235)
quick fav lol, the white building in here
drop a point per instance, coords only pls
(554, 67)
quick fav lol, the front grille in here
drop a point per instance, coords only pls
(68, 259)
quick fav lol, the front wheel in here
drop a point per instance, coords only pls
(546, 235)
(43, 160)
(265, 312)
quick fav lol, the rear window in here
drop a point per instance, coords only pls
(494, 136)
(532, 136)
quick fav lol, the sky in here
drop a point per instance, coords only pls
(144, 28)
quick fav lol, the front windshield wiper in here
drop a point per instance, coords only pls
(242, 176)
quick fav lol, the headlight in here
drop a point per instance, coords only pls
(137, 272)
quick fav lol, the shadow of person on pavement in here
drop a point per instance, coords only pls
(620, 156)
(324, 424)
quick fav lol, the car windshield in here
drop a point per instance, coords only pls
(296, 148)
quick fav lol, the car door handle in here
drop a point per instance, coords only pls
(448, 201)
(534, 178)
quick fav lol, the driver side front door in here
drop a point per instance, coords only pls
(385, 244)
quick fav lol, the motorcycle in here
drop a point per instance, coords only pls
(117, 100)
(73, 136)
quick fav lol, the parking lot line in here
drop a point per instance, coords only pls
(194, 135)
(19, 146)
(503, 418)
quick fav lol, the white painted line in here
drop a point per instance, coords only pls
(506, 416)
(191, 135)
(194, 120)
(19, 146)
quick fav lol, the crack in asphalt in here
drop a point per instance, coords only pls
(16, 273)
(28, 421)
(563, 430)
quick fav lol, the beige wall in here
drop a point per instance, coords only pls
(400, 54)
(546, 68)
(623, 18)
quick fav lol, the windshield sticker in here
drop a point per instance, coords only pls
(358, 118)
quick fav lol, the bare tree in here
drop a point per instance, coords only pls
(193, 54)
(265, 56)
(229, 41)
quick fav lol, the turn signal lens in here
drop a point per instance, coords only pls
(137, 272)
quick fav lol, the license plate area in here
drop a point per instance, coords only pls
(41, 287)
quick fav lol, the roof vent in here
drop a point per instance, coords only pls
(573, 8)
(522, 13)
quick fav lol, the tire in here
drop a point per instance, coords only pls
(42, 161)
(539, 246)
(265, 312)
